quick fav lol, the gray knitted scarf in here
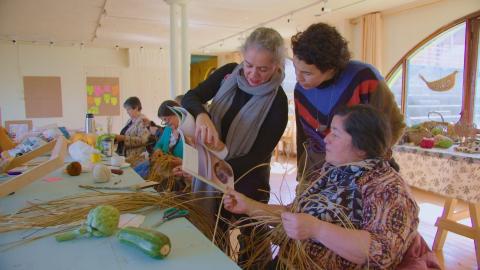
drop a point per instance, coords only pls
(244, 128)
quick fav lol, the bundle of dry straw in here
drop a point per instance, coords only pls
(291, 254)
(71, 211)
(161, 171)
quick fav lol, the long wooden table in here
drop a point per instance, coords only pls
(454, 175)
(190, 248)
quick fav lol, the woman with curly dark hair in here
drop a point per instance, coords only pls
(327, 79)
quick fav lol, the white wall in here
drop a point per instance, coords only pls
(141, 73)
(403, 30)
(405, 27)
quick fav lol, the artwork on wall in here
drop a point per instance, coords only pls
(103, 95)
(43, 96)
(18, 128)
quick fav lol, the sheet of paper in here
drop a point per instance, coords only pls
(190, 159)
(132, 220)
(52, 179)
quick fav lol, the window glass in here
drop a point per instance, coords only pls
(476, 116)
(440, 62)
(288, 84)
(395, 84)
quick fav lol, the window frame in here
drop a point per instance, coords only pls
(472, 28)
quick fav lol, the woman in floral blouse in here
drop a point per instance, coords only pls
(133, 138)
(357, 181)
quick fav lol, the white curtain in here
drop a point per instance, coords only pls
(372, 39)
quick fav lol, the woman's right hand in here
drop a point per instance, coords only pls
(236, 202)
(207, 133)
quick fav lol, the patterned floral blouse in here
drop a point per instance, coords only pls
(374, 198)
(136, 138)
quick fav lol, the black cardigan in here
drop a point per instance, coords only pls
(268, 136)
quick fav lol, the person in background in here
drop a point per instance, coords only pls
(134, 136)
(327, 79)
(248, 114)
(357, 183)
(169, 142)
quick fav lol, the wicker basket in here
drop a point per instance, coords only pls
(441, 85)
(415, 135)
(447, 128)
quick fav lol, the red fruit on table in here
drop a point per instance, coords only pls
(427, 143)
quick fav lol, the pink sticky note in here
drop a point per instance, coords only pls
(98, 90)
(52, 179)
(107, 89)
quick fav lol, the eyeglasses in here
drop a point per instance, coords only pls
(164, 121)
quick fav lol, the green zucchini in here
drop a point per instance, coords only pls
(153, 243)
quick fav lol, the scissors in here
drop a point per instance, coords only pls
(171, 213)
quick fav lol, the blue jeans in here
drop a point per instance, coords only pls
(143, 168)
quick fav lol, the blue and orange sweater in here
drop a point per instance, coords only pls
(358, 83)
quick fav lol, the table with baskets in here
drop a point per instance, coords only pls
(453, 174)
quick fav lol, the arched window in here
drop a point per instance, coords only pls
(439, 75)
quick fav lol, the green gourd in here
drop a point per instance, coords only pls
(443, 141)
(153, 243)
(444, 144)
(436, 131)
(101, 138)
(101, 221)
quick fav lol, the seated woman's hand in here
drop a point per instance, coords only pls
(119, 138)
(206, 132)
(235, 202)
(299, 226)
(177, 171)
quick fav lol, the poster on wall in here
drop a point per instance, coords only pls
(103, 95)
(43, 96)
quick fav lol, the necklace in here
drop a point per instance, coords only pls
(322, 128)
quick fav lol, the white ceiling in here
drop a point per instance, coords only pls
(135, 23)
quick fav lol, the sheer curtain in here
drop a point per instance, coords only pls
(372, 39)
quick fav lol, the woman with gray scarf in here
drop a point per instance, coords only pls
(249, 113)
